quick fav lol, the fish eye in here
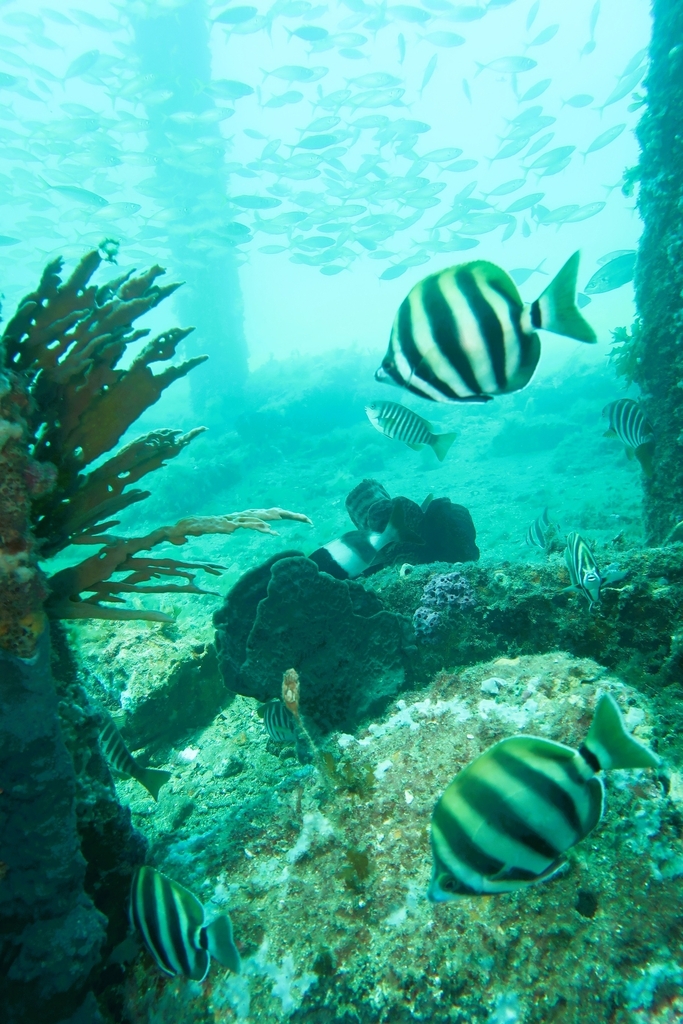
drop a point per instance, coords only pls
(448, 883)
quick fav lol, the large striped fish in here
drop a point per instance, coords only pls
(585, 576)
(395, 421)
(627, 422)
(171, 921)
(506, 821)
(464, 334)
(120, 758)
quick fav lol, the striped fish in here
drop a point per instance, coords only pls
(506, 821)
(464, 334)
(583, 569)
(537, 534)
(354, 552)
(279, 722)
(627, 422)
(171, 921)
(395, 421)
(120, 758)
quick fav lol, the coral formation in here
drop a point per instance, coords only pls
(441, 593)
(351, 654)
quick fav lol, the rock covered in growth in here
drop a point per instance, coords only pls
(350, 652)
(443, 592)
(325, 876)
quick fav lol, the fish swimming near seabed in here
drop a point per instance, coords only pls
(355, 552)
(278, 721)
(584, 573)
(171, 921)
(538, 533)
(464, 334)
(507, 820)
(628, 423)
(396, 421)
(120, 758)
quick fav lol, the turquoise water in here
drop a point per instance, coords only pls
(300, 167)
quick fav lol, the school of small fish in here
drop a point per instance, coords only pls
(358, 179)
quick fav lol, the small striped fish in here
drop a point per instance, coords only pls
(279, 722)
(506, 821)
(353, 553)
(394, 420)
(171, 921)
(120, 758)
(583, 569)
(537, 534)
(464, 334)
(627, 422)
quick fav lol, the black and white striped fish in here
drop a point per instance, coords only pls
(395, 421)
(464, 334)
(354, 552)
(583, 570)
(279, 722)
(120, 758)
(627, 422)
(506, 821)
(171, 921)
(537, 534)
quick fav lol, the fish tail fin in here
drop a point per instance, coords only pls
(217, 939)
(480, 68)
(610, 744)
(153, 779)
(441, 445)
(644, 453)
(555, 310)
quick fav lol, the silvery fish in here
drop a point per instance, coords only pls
(583, 570)
(627, 422)
(612, 275)
(464, 334)
(395, 421)
(507, 820)
(537, 534)
(171, 921)
(118, 755)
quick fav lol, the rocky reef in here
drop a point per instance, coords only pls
(654, 351)
(324, 868)
(351, 653)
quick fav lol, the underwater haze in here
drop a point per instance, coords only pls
(395, 755)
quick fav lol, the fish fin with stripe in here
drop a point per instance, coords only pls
(557, 310)
(415, 447)
(397, 530)
(427, 502)
(441, 445)
(152, 779)
(610, 743)
(217, 939)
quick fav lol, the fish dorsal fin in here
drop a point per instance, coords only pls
(217, 939)
(555, 310)
(610, 744)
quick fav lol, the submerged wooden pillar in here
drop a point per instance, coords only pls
(659, 271)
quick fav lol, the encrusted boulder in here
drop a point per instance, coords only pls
(352, 655)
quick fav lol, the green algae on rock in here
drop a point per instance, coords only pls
(273, 845)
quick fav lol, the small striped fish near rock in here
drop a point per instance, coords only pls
(586, 578)
(171, 921)
(278, 721)
(464, 334)
(506, 821)
(538, 533)
(120, 758)
(396, 421)
(627, 422)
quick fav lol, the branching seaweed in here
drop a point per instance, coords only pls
(68, 403)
